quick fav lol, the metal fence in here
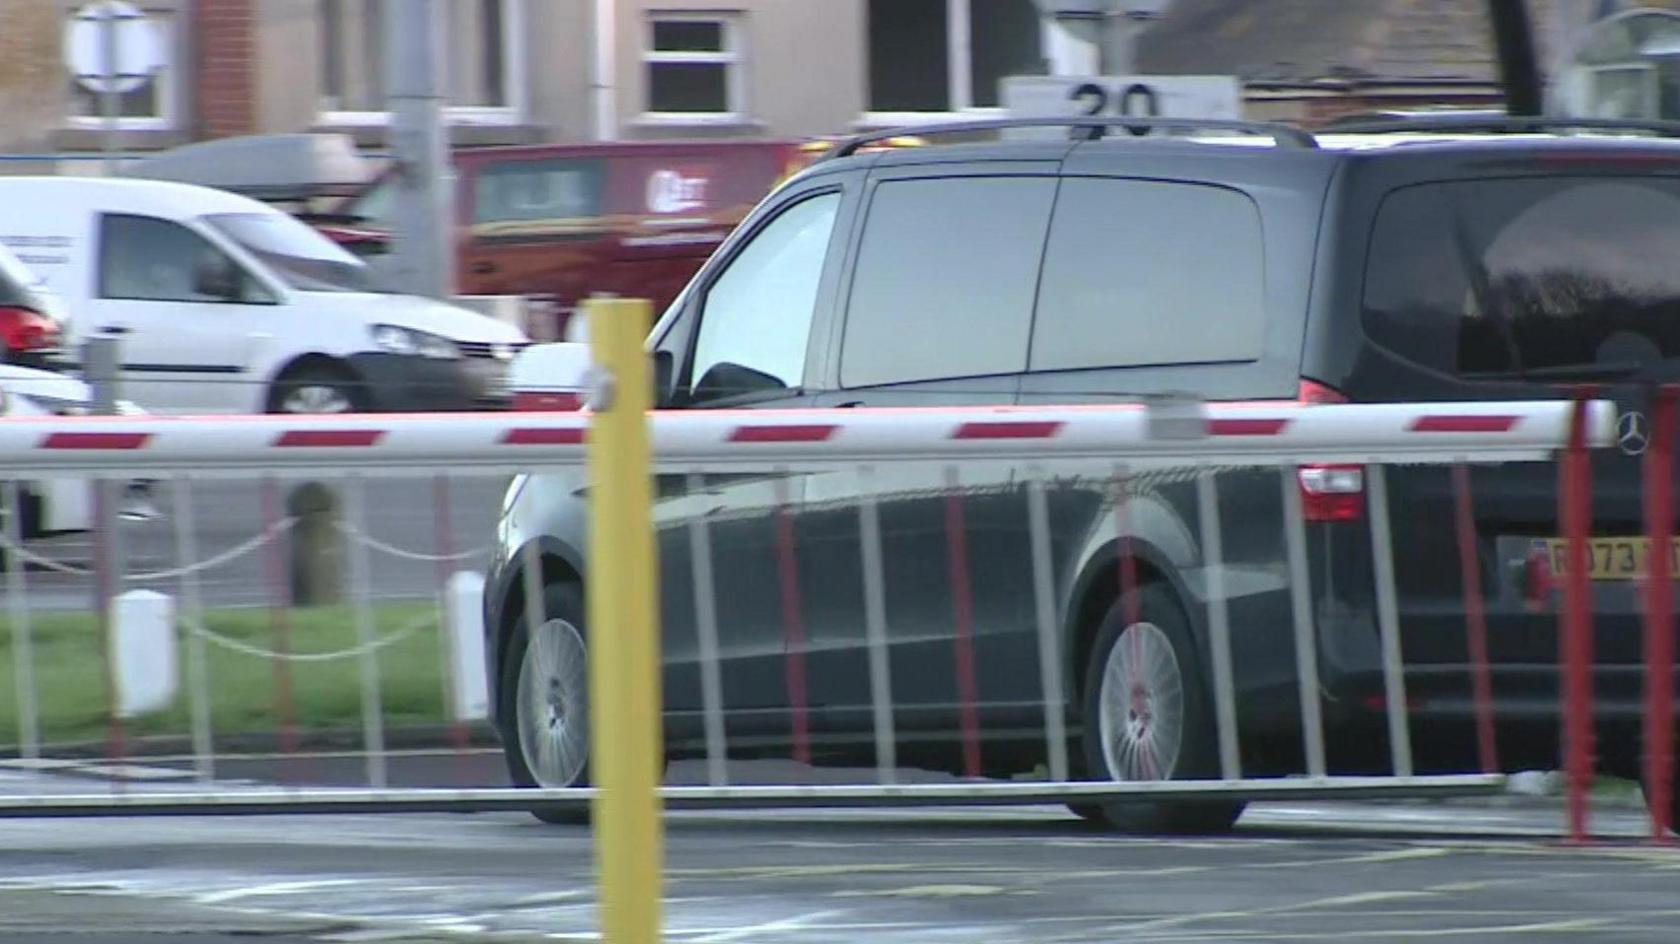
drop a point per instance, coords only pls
(887, 582)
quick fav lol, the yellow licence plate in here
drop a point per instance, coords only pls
(1612, 558)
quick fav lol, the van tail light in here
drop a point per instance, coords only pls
(22, 329)
(1311, 391)
(1332, 492)
(1329, 492)
(549, 401)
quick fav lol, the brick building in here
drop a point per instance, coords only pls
(524, 70)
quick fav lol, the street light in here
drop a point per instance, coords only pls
(1112, 25)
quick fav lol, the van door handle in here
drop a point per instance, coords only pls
(483, 268)
(848, 405)
(114, 329)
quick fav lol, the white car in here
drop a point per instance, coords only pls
(222, 304)
(60, 504)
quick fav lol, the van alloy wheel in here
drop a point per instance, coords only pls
(1142, 706)
(552, 704)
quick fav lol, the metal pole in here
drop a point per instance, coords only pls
(1219, 625)
(1388, 621)
(705, 621)
(424, 220)
(624, 711)
(875, 627)
(110, 98)
(367, 633)
(1117, 47)
(192, 614)
(1306, 634)
(606, 67)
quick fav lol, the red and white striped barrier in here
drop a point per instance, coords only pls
(703, 440)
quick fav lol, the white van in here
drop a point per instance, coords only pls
(223, 304)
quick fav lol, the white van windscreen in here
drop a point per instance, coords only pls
(306, 260)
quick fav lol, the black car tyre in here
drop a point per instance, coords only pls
(1147, 717)
(317, 388)
(544, 694)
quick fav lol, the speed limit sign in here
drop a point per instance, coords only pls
(1123, 96)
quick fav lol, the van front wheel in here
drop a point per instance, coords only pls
(316, 389)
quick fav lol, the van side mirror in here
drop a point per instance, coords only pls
(664, 366)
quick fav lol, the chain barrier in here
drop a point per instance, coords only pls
(235, 645)
(231, 554)
(350, 531)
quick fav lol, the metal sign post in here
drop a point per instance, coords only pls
(112, 50)
(425, 211)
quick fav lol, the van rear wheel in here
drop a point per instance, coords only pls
(1147, 717)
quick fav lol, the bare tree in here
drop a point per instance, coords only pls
(32, 75)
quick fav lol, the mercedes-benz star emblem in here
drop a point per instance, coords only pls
(1633, 434)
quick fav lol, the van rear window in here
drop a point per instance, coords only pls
(1541, 277)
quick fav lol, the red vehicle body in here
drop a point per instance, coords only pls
(561, 222)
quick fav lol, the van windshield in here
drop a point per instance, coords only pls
(306, 260)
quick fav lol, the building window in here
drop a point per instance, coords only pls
(949, 55)
(147, 53)
(693, 67)
(484, 70)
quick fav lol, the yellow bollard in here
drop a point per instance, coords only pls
(626, 745)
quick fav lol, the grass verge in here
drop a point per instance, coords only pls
(71, 691)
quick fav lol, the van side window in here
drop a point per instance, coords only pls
(1562, 276)
(1146, 273)
(142, 258)
(945, 279)
(561, 192)
(755, 325)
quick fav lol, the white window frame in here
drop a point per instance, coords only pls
(167, 79)
(513, 77)
(733, 58)
(959, 59)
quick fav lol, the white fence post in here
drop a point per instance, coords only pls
(143, 652)
(464, 618)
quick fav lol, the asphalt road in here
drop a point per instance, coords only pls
(1291, 872)
(402, 514)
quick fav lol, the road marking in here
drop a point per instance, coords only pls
(274, 888)
(935, 891)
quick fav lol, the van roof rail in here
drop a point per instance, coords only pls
(1284, 135)
(1503, 124)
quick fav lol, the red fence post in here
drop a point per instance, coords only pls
(962, 624)
(1131, 603)
(1575, 649)
(1475, 621)
(1659, 614)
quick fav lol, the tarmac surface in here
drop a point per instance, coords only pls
(1397, 871)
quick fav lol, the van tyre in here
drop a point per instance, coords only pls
(1147, 716)
(544, 693)
(320, 389)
